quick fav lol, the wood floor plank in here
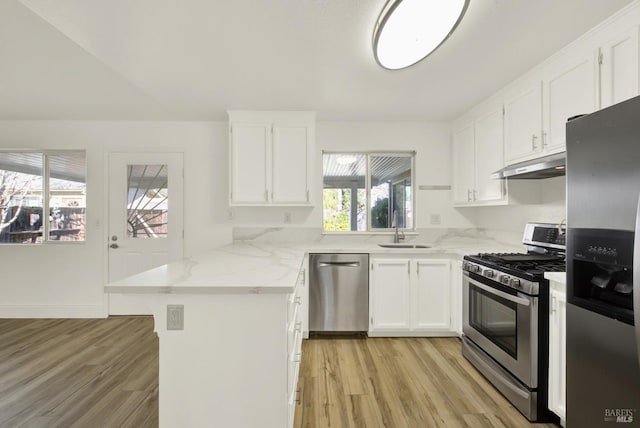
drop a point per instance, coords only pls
(78, 372)
(410, 382)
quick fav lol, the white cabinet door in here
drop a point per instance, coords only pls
(289, 165)
(523, 124)
(389, 294)
(569, 89)
(619, 68)
(269, 157)
(431, 302)
(463, 164)
(248, 163)
(488, 156)
(456, 297)
(557, 354)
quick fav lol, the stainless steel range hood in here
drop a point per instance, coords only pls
(545, 167)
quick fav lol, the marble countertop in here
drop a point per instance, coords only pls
(238, 268)
(258, 267)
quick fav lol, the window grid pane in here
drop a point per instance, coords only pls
(29, 208)
(67, 196)
(345, 177)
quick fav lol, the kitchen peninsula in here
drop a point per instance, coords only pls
(230, 346)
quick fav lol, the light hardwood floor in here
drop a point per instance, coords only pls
(78, 373)
(396, 383)
(104, 373)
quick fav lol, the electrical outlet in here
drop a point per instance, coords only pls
(434, 219)
(175, 317)
(287, 217)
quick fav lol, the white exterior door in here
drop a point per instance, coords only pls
(145, 217)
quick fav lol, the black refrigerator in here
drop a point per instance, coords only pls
(603, 251)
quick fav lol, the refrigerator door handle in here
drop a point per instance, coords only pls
(636, 280)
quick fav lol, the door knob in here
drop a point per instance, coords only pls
(114, 246)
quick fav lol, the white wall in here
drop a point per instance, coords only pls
(431, 141)
(67, 280)
(509, 221)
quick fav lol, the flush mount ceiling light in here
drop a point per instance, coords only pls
(407, 31)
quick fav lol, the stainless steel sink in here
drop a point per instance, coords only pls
(404, 246)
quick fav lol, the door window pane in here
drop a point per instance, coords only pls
(147, 201)
(67, 196)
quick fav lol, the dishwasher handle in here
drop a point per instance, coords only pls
(339, 264)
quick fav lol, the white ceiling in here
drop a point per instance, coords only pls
(195, 59)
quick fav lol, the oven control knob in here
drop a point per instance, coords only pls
(515, 282)
(504, 279)
(489, 273)
(474, 268)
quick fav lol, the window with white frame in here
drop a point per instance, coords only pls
(364, 192)
(42, 196)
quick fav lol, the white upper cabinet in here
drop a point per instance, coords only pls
(463, 164)
(596, 71)
(290, 153)
(489, 156)
(269, 156)
(248, 157)
(569, 88)
(478, 153)
(618, 62)
(523, 123)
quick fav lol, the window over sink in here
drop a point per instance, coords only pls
(363, 191)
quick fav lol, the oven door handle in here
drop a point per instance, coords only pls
(506, 296)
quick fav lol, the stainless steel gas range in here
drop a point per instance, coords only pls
(506, 318)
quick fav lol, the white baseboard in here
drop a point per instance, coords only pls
(52, 311)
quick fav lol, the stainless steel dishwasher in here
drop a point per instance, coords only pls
(338, 292)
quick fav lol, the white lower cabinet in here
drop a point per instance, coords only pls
(294, 344)
(557, 353)
(410, 297)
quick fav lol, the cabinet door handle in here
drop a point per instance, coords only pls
(409, 268)
(418, 268)
(468, 195)
(534, 137)
(475, 195)
(544, 139)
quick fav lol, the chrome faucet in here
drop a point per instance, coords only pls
(396, 237)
